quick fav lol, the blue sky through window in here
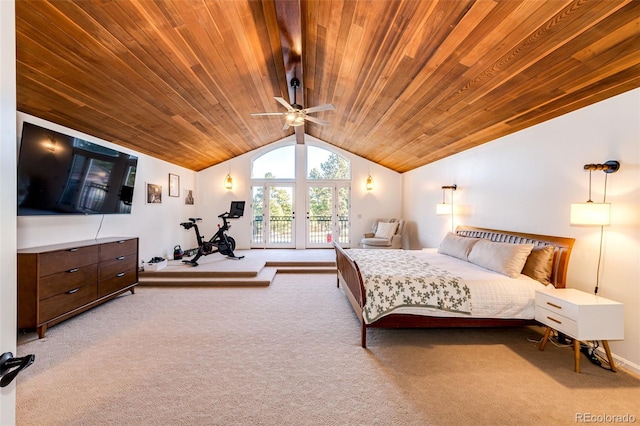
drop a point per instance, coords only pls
(281, 162)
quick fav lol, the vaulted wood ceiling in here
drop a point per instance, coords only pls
(412, 81)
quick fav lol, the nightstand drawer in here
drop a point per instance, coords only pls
(556, 305)
(557, 322)
(581, 315)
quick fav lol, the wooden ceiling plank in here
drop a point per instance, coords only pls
(411, 81)
(534, 47)
(451, 108)
(508, 21)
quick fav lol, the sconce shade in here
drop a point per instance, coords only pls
(369, 183)
(443, 209)
(228, 182)
(590, 213)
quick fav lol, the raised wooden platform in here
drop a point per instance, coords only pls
(257, 268)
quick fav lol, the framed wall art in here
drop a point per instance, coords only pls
(174, 185)
(189, 198)
(154, 193)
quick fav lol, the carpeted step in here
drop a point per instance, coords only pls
(262, 279)
(298, 263)
(307, 269)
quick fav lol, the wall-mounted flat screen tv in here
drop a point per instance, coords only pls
(61, 174)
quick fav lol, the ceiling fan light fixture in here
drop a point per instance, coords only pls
(294, 118)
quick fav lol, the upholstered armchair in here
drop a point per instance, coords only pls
(385, 234)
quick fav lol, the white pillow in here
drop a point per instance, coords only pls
(453, 245)
(505, 258)
(386, 229)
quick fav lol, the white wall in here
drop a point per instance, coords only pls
(366, 206)
(157, 225)
(526, 182)
(7, 200)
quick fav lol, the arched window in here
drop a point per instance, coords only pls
(279, 163)
(326, 165)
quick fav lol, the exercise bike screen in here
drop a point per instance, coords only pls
(237, 209)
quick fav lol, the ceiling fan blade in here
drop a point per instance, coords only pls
(286, 126)
(325, 107)
(316, 120)
(286, 104)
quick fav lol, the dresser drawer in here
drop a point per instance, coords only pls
(113, 250)
(65, 302)
(556, 305)
(556, 321)
(68, 280)
(117, 282)
(114, 267)
(62, 260)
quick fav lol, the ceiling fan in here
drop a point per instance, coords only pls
(296, 114)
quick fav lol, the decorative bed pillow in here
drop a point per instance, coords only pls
(386, 230)
(539, 264)
(505, 258)
(460, 247)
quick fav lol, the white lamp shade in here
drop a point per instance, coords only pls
(590, 214)
(443, 208)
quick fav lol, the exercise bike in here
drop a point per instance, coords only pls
(220, 242)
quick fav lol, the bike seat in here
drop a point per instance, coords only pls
(194, 219)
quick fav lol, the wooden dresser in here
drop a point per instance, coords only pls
(59, 281)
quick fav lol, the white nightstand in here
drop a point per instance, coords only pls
(580, 315)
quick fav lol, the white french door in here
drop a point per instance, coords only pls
(328, 214)
(273, 216)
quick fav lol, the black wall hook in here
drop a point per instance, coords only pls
(10, 366)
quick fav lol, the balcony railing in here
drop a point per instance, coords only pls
(281, 230)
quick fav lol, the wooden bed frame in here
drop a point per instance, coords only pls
(349, 275)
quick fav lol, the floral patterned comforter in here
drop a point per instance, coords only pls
(395, 278)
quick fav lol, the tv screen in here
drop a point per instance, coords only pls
(61, 174)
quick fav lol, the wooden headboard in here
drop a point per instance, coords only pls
(562, 246)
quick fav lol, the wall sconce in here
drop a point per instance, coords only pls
(444, 208)
(595, 214)
(590, 213)
(228, 182)
(369, 183)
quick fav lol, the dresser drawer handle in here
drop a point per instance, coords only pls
(554, 305)
(73, 291)
(554, 320)
(121, 274)
(73, 270)
(74, 249)
(120, 258)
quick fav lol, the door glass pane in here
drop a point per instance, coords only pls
(320, 204)
(257, 228)
(343, 206)
(280, 215)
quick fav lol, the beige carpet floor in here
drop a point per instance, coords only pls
(289, 354)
